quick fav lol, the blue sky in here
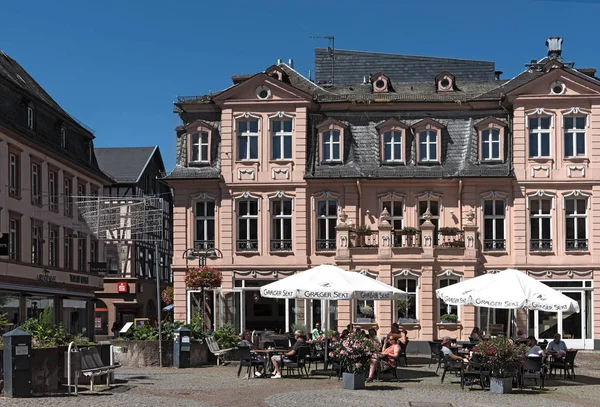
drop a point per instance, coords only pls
(119, 65)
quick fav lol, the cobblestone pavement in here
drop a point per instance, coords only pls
(420, 386)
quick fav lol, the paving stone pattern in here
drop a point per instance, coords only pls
(419, 387)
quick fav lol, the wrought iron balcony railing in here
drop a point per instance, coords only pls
(204, 244)
(576, 245)
(324, 245)
(540, 245)
(494, 245)
(281, 245)
(247, 245)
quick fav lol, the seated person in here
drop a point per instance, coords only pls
(316, 333)
(335, 336)
(557, 347)
(344, 333)
(395, 330)
(520, 336)
(403, 341)
(387, 357)
(448, 352)
(534, 350)
(246, 341)
(376, 340)
(279, 361)
(474, 337)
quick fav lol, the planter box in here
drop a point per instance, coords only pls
(353, 381)
(364, 320)
(145, 353)
(501, 385)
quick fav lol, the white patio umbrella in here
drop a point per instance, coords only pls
(508, 289)
(327, 282)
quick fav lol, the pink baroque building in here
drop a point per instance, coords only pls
(416, 171)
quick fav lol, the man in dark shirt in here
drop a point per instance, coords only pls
(279, 361)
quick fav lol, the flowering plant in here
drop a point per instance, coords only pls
(167, 295)
(354, 353)
(205, 277)
(501, 356)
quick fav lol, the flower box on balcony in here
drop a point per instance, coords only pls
(449, 231)
(410, 231)
(363, 230)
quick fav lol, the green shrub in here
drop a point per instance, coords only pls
(46, 334)
(226, 337)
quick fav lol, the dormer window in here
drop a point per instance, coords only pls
(331, 137)
(429, 141)
(392, 136)
(63, 136)
(381, 83)
(491, 139)
(444, 82)
(199, 136)
(30, 116)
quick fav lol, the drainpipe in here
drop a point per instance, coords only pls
(460, 207)
(358, 214)
(510, 134)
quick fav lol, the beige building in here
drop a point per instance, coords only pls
(46, 249)
(473, 173)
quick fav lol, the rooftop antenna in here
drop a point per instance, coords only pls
(330, 52)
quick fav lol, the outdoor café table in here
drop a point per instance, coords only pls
(267, 353)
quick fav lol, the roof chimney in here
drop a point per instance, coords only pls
(279, 61)
(554, 45)
(497, 75)
(291, 63)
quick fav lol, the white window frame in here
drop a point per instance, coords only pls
(63, 136)
(428, 143)
(67, 192)
(539, 216)
(52, 192)
(36, 245)
(14, 174)
(494, 216)
(68, 250)
(197, 144)
(358, 303)
(572, 133)
(329, 142)
(393, 215)
(435, 219)
(395, 139)
(539, 133)
(248, 135)
(487, 143)
(278, 219)
(81, 252)
(449, 308)
(52, 247)
(327, 217)
(30, 117)
(282, 135)
(249, 219)
(205, 217)
(93, 251)
(36, 192)
(405, 276)
(576, 216)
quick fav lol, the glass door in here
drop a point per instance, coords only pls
(229, 309)
(573, 323)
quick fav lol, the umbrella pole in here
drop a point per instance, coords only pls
(487, 329)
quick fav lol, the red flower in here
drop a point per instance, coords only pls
(205, 277)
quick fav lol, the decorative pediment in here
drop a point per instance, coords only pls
(540, 112)
(489, 122)
(202, 196)
(427, 124)
(330, 124)
(494, 195)
(245, 116)
(367, 273)
(261, 88)
(573, 84)
(540, 194)
(246, 195)
(575, 111)
(281, 195)
(198, 125)
(428, 195)
(390, 124)
(450, 273)
(577, 194)
(391, 196)
(405, 273)
(326, 195)
(280, 116)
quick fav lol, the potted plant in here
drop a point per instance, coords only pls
(367, 313)
(503, 359)
(457, 243)
(354, 353)
(408, 230)
(449, 231)
(449, 319)
(363, 230)
(402, 306)
(167, 295)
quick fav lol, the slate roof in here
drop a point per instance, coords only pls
(362, 147)
(124, 164)
(352, 66)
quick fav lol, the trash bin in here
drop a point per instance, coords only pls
(17, 364)
(182, 348)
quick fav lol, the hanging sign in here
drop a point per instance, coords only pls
(122, 287)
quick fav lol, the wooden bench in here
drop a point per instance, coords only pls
(213, 346)
(92, 366)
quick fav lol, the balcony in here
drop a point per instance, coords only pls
(403, 240)
(325, 245)
(204, 244)
(364, 240)
(454, 240)
(494, 245)
(247, 246)
(281, 245)
(540, 245)
(576, 245)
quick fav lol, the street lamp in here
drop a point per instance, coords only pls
(193, 254)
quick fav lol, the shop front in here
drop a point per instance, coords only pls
(63, 297)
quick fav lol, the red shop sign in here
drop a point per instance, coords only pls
(122, 287)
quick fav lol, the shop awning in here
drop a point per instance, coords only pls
(45, 290)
